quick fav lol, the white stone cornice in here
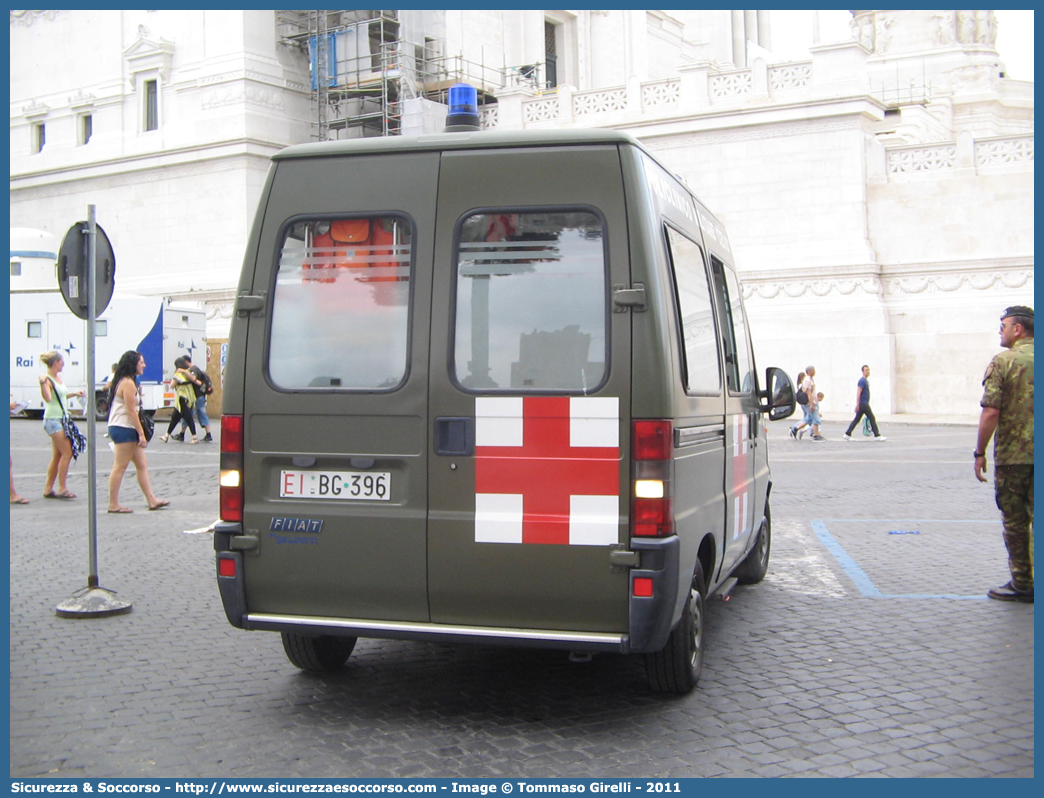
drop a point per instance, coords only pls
(890, 281)
(81, 100)
(35, 109)
(125, 171)
(988, 264)
(753, 123)
(147, 55)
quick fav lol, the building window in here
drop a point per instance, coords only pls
(550, 55)
(34, 329)
(86, 128)
(39, 136)
(16, 268)
(151, 88)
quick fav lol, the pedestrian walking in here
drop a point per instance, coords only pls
(203, 388)
(810, 406)
(185, 397)
(862, 407)
(15, 498)
(1007, 409)
(56, 397)
(126, 433)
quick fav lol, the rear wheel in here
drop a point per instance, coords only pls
(676, 668)
(101, 406)
(753, 569)
(317, 653)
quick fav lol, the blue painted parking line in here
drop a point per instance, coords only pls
(858, 575)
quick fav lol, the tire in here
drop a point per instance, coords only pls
(754, 567)
(677, 667)
(317, 653)
(101, 407)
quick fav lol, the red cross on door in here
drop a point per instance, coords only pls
(547, 470)
(740, 476)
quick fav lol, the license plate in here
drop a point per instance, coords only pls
(358, 485)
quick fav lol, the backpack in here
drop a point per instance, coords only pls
(206, 387)
(802, 397)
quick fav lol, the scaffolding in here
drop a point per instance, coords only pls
(362, 71)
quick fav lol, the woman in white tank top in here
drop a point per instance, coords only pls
(126, 434)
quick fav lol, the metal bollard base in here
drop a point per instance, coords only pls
(95, 602)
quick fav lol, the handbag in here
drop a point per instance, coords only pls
(867, 429)
(72, 432)
(148, 426)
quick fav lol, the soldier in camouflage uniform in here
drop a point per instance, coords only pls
(1007, 408)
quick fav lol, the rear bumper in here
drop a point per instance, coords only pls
(653, 617)
(650, 618)
(435, 632)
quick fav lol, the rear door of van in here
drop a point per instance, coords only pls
(529, 396)
(336, 421)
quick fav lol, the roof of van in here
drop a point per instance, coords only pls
(457, 141)
(481, 139)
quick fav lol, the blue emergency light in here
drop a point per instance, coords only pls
(463, 109)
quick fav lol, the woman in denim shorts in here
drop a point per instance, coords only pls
(126, 434)
(56, 398)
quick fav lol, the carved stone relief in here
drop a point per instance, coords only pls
(893, 285)
(27, 18)
(945, 27)
(883, 33)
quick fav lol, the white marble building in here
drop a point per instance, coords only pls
(879, 197)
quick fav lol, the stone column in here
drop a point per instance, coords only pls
(764, 31)
(694, 93)
(565, 102)
(634, 95)
(509, 101)
(739, 43)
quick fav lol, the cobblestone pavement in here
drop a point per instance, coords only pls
(868, 650)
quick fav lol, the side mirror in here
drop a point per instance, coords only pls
(779, 397)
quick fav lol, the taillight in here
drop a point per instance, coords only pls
(652, 450)
(231, 468)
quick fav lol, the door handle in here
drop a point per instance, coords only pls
(455, 436)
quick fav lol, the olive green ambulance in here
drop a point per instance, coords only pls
(494, 388)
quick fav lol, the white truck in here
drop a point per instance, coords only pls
(41, 321)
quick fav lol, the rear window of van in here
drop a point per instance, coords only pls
(340, 310)
(531, 301)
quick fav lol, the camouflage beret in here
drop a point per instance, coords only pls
(1018, 310)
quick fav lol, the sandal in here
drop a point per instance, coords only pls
(63, 495)
(159, 505)
(19, 500)
(122, 510)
